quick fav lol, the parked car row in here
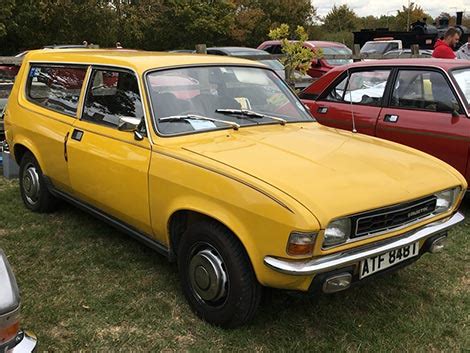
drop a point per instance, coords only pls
(215, 163)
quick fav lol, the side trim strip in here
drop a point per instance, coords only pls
(144, 238)
(423, 133)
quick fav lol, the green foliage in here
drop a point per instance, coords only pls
(145, 24)
(341, 18)
(400, 21)
(297, 57)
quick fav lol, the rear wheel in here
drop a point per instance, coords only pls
(33, 188)
(216, 275)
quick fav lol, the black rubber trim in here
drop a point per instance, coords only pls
(125, 228)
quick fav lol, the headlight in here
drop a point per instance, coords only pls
(445, 200)
(301, 243)
(337, 232)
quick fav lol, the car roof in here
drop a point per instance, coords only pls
(445, 64)
(312, 43)
(140, 61)
(231, 50)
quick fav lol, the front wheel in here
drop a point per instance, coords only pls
(216, 275)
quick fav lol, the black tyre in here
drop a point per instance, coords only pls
(33, 188)
(216, 275)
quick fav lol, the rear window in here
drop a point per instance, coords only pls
(56, 87)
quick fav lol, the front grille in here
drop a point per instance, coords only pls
(389, 218)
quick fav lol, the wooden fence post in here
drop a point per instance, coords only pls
(201, 49)
(414, 50)
(356, 53)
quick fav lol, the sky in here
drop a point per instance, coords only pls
(389, 7)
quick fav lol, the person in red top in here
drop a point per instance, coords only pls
(443, 49)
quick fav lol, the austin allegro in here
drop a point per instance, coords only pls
(215, 163)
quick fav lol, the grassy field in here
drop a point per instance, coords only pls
(85, 286)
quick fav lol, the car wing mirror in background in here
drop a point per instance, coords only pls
(442, 107)
(315, 63)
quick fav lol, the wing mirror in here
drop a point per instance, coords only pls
(445, 108)
(9, 303)
(131, 124)
(315, 63)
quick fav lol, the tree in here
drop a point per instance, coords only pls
(341, 18)
(254, 18)
(297, 57)
(415, 13)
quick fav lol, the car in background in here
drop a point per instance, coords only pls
(423, 104)
(301, 80)
(406, 54)
(5, 88)
(12, 338)
(381, 46)
(9, 71)
(248, 52)
(319, 66)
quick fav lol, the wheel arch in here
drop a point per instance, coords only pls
(181, 219)
(24, 146)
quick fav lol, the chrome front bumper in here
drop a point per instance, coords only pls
(338, 260)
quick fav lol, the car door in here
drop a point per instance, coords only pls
(109, 168)
(54, 91)
(356, 94)
(423, 112)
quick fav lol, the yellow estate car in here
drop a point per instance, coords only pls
(215, 163)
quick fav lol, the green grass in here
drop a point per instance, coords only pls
(86, 286)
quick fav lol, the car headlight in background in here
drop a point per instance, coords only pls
(446, 199)
(301, 243)
(337, 232)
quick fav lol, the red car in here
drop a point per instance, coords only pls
(319, 66)
(424, 104)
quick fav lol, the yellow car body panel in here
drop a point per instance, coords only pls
(261, 182)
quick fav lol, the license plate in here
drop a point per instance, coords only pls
(380, 262)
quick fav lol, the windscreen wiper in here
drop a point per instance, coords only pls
(186, 117)
(250, 113)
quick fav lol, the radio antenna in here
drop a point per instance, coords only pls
(351, 103)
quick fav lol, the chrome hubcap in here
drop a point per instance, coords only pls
(207, 275)
(31, 184)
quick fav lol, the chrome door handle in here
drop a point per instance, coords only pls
(322, 110)
(391, 118)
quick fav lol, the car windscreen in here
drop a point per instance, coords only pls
(376, 47)
(273, 64)
(337, 51)
(462, 77)
(222, 95)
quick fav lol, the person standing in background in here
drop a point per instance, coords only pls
(444, 48)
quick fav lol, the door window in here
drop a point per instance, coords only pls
(112, 95)
(362, 87)
(56, 87)
(423, 90)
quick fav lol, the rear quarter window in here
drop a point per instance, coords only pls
(56, 87)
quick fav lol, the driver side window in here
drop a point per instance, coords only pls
(110, 96)
(362, 87)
